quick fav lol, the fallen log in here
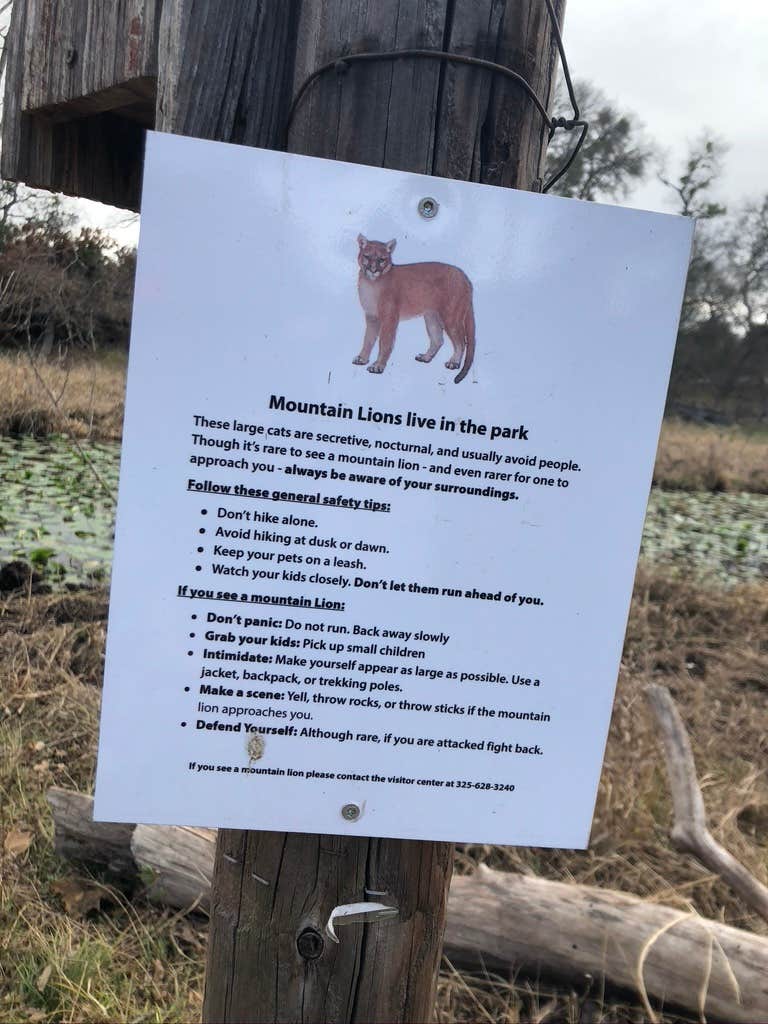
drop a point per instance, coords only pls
(177, 863)
(97, 843)
(665, 956)
(573, 933)
(689, 831)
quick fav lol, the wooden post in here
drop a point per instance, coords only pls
(269, 959)
(228, 71)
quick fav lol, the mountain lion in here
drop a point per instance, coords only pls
(389, 293)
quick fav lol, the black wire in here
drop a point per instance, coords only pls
(341, 65)
(584, 125)
(563, 59)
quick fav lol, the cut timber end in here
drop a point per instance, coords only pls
(81, 84)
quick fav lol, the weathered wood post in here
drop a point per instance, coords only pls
(84, 77)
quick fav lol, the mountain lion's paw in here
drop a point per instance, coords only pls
(375, 368)
(453, 364)
(359, 361)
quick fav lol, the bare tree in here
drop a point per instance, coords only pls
(708, 292)
(616, 156)
(702, 169)
(747, 245)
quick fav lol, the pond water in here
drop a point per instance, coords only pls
(55, 506)
(56, 510)
(720, 535)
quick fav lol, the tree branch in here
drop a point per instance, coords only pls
(689, 831)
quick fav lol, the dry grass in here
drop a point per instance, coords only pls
(126, 962)
(129, 961)
(710, 647)
(490, 999)
(82, 397)
(701, 458)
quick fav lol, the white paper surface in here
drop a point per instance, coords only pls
(381, 678)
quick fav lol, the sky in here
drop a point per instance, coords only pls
(679, 67)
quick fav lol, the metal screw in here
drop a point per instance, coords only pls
(71, 56)
(350, 812)
(428, 207)
(310, 944)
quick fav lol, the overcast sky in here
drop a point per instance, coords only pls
(680, 67)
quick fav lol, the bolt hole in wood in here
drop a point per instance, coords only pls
(310, 944)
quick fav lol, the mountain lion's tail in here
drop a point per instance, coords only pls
(469, 350)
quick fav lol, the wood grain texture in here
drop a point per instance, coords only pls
(379, 113)
(14, 162)
(80, 87)
(77, 49)
(489, 130)
(689, 831)
(225, 69)
(180, 860)
(79, 838)
(577, 933)
(270, 887)
(96, 157)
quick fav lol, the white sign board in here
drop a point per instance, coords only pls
(354, 567)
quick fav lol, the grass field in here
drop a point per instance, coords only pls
(82, 397)
(702, 458)
(127, 961)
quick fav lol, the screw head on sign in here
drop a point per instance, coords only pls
(428, 207)
(350, 812)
